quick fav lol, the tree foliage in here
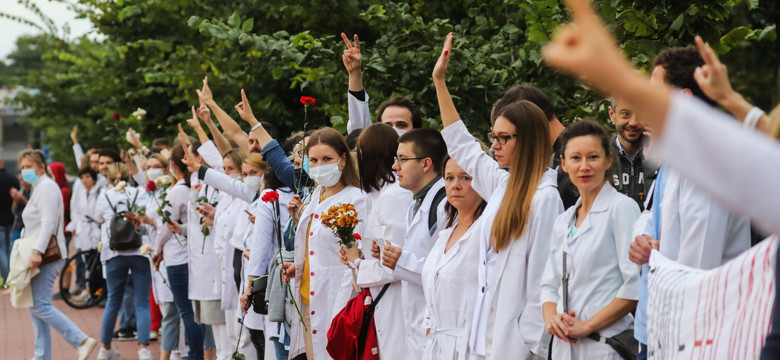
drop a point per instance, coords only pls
(154, 53)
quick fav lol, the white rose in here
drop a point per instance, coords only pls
(120, 186)
(164, 180)
(146, 249)
(139, 113)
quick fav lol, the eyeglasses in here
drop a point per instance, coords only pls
(502, 139)
(403, 160)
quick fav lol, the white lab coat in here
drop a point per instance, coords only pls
(507, 315)
(175, 250)
(386, 222)
(734, 165)
(162, 291)
(359, 114)
(330, 282)
(205, 281)
(122, 202)
(449, 280)
(83, 206)
(262, 243)
(417, 244)
(227, 212)
(696, 231)
(598, 266)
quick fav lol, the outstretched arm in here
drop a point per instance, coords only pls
(231, 127)
(195, 124)
(449, 115)
(357, 98)
(222, 143)
(713, 79)
(245, 111)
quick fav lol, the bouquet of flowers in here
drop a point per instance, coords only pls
(163, 183)
(342, 219)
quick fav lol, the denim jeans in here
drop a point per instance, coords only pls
(170, 327)
(178, 279)
(116, 280)
(127, 311)
(5, 250)
(642, 355)
(45, 316)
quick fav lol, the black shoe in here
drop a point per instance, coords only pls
(123, 335)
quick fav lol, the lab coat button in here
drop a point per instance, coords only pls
(483, 289)
(311, 252)
(311, 233)
(316, 216)
(314, 332)
(312, 312)
(312, 293)
(311, 273)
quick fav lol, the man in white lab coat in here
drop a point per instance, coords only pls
(689, 226)
(418, 166)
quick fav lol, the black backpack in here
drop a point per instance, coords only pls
(122, 234)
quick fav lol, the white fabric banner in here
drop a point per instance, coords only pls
(723, 313)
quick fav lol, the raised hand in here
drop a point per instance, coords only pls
(190, 159)
(204, 94)
(204, 114)
(193, 122)
(245, 110)
(440, 70)
(183, 139)
(74, 134)
(134, 140)
(712, 77)
(352, 58)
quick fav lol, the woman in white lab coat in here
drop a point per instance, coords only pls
(376, 149)
(595, 235)
(323, 285)
(86, 230)
(515, 235)
(450, 270)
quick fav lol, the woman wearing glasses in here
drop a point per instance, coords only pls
(515, 236)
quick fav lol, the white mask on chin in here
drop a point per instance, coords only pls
(399, 131)
(253, 183)
(326, 175)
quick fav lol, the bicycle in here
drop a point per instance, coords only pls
(88, 276)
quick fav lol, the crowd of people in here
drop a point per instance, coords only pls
(536, 246)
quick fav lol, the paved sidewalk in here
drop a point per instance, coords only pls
(17, 337)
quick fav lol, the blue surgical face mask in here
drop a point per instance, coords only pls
(305, 164)
(29, 176)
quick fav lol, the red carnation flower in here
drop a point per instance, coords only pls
(117, 116)
(357, 236)
(306, 100)
(151, 186)
(270, 196)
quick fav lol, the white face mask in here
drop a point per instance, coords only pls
(236, 176)
(399, 131)
(253, 183)
(326, 175)
(153, 174)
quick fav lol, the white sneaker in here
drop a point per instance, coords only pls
(104, 354)
(86, 348)
(144, 354)
(153, 336)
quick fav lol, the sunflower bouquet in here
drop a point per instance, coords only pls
(342, 219)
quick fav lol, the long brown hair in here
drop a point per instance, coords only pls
(376, 149)
(531, 156)
(331, 137)
(177, 154)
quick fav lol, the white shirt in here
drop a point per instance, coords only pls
(449, 279)
(174, 248)
(730, 163)
(83, 207)
(507, 314)
(43, 213)
(121, 202)
(598, 266)
(387, 223)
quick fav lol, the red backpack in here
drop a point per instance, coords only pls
(352, 333)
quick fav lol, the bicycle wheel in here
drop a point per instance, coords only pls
(90, 280)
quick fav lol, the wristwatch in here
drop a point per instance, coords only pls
(37, 252)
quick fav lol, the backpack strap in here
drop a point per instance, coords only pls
(109, 202)
(433, 213)
(367, 316)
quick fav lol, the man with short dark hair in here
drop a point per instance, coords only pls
(399, 112)
(418, 167)
(629, 174)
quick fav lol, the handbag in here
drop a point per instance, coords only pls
(52, 252)
(257, 294)
(623, 343)
(122, 234)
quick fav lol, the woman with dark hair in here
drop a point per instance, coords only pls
(376, 150)
(322, 284)
(593, 238)
(523, 203)
(450, 270)
(43, 218)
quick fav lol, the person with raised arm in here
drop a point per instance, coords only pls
(399, 112)
(523, 204)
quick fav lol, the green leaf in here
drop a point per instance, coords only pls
(234, 20)
(248, 25)
(735, 35)
(510, 28)
(677, 23)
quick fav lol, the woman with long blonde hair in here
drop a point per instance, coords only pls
(523, 204)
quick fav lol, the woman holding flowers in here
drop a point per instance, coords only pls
(322, 283)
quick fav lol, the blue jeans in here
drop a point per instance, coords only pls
(642, 352)
(127, 311)
(5, 250)
(178, 279)
(45, 316)
(116, 279)
(170, 327)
